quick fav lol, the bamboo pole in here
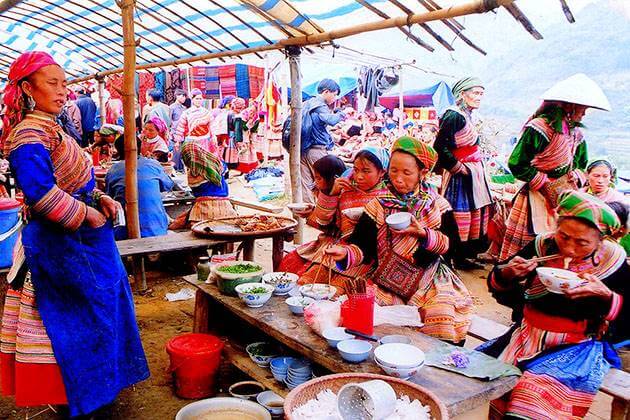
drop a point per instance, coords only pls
(101, 100)
(296, 128)
(131, 148)
(476, 6)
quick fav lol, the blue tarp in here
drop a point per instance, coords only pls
(438, 96)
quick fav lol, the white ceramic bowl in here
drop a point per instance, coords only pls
(254, 300)
(557, 280)
(283, 282)
(222, 405)
(334, 335)
(353, 213)
(399, 372)
(399, 355)
(272, 402)
(234, 276)
(298, 303)
(299, 206)
(399, 221)
(261, 360)
(318, 291)
(354, 351)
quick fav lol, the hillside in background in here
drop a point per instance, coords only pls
(598, 44)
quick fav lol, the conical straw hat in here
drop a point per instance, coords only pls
(578, 89)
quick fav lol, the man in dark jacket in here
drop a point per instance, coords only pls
(315, 138)
(87, 107)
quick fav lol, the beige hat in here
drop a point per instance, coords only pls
(578, 89)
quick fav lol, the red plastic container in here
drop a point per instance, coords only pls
(357, 312)
(195, 360)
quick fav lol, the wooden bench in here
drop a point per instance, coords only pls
(616, 383)
(137, 249)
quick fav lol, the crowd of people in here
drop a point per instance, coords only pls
(357, 169)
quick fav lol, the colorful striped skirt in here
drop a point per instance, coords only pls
(28, 368)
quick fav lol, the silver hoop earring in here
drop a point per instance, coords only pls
(30, 103)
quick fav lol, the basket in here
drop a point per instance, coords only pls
(309, 390)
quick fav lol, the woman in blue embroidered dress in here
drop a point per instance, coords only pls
(69, 333)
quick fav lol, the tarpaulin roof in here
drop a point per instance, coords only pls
(85, 36)
(438, 96)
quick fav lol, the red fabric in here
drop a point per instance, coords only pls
(227, 80)
(32, 383)
(293, 263)
(467, 154)
(256, 80)
(146, 83)
(553, 323)
(23, 66)
(114, 85)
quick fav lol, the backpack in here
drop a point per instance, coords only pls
(305, 135)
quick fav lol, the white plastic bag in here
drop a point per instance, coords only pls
(322, 314)
(398, 315)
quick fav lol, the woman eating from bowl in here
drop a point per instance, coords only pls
(409, 268)
(601, 176)
(553, 339)
(336, 213)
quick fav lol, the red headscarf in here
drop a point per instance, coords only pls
(23, 66)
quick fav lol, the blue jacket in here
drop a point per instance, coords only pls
(152, 180)
(87, 107)
(316, 116)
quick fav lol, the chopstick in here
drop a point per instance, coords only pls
(535, 259)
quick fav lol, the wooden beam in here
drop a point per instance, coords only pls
(431, 5)
(567, 11)
(473, 7)
(129, 95)
(8, 4)
(404, 30)
(424, 26)
(522, 19)
(295, 150)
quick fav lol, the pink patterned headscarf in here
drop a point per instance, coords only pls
(160, 126)
(23, 66)
(238, 104)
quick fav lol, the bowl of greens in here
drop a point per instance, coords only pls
(261, 353)
(254, 295)
(232, 273)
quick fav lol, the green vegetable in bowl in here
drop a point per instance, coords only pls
(263, 349)
(240, 268)
(256, 290)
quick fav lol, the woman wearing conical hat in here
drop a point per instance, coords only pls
(550, 157)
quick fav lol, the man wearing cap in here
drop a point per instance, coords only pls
(315, 138)
(550, 157)
(464, 182)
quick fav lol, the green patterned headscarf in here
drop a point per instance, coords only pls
(421, 151)
(201, 162)
(585, 206)
(464, 84)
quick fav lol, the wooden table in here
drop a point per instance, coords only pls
(462, 395)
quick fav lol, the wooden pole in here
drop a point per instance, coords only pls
(131, 148)
(8, 4)
(101, 99)
(296, 128)
(401, 102)
(476, 6)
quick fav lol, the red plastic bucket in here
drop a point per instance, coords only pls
(195, 360)
(357, 313)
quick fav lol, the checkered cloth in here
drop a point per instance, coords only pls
(585, 206)
(421, 151)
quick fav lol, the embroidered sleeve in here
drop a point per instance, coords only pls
(436, 242)
(325, 209)
(615, 307)
(182, 128)
(531, 143)
(35, 176)
(354, 258)
(538, 181)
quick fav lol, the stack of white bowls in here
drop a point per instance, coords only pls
(399, 360)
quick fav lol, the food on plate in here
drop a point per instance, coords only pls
(458, 359)
(257, 223)
(256, 290)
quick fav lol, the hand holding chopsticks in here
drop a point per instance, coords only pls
(514, 261)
